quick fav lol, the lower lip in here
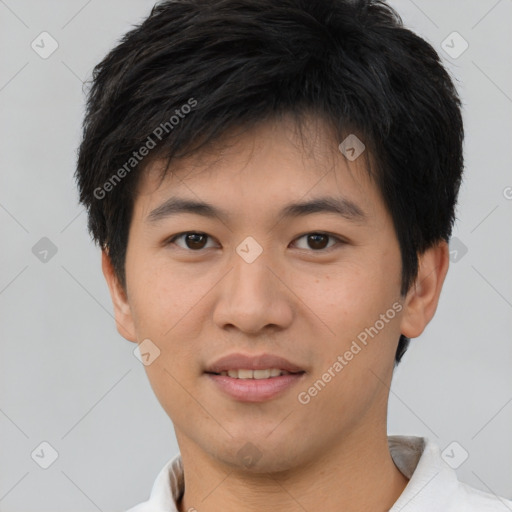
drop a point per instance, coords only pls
(255, 390)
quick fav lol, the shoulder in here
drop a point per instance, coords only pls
(470, 499)
(167, 489)
(141, 507)
(433, 483)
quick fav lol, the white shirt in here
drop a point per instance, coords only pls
(433, 485)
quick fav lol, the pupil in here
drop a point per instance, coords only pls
(193, 239)
(313, 241)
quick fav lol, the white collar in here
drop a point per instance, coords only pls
(432, 486)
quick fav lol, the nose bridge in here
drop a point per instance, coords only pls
(251, 279)
(252, 296)
(249, 274)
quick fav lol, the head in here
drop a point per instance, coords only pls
(250, 106)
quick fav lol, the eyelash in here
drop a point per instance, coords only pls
(339, 241)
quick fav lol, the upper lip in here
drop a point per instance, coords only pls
(258, 362)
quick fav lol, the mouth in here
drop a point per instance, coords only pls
(245, 374)
(247, 387)
(253, 378)
(245, 366)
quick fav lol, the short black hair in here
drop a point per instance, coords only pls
(195, 69)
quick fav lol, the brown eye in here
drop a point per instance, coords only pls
(318, 241)
(195, 241)
(192, 240)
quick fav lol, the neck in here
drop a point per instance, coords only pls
(352, 476)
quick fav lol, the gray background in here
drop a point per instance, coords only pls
(68, 378)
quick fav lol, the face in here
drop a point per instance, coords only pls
(318, 288)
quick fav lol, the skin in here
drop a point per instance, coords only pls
(198, 302)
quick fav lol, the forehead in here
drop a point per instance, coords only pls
(270, 164)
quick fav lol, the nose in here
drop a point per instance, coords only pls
(254, 297)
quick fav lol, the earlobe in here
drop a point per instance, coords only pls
(422, 299)
(122, 311)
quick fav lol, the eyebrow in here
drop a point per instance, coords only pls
(338, 205)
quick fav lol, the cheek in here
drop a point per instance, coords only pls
(360, 303)
(358, 355)
(348, 295)
(166, 305)
(159, 295)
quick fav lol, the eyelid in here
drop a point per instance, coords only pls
(339, 240)
(171, 239)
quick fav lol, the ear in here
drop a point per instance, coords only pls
(422, 298)
(122, 311)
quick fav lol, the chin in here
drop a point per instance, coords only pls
(257, 455)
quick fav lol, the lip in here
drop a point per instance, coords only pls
(255, 390)
(238, 361)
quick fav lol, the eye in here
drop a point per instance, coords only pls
(317, 241)
(193, 240)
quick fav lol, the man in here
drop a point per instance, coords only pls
(273, 186)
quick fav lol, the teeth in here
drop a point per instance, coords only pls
(254, 374)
